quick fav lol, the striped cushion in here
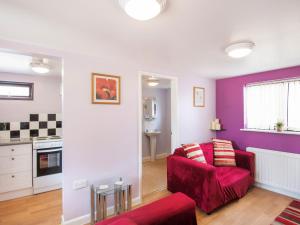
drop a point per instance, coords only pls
(194, 152)
(223, 153)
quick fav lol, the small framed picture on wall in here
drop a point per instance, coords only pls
(105, 89)
(198, 97)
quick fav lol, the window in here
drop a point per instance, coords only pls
(269, 103)
(16, 90)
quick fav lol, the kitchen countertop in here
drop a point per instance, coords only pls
(4, 142)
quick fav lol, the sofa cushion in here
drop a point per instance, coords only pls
(234, 182)
(194, 152)
(223, 153)
(207, 149)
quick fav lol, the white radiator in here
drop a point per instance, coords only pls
(277, 171)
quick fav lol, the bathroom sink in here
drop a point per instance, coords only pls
(152, 136)
(152, 133)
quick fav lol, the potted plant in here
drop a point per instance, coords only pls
(279, 126)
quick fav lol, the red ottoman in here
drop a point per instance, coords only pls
(176, 209)
(123, 221)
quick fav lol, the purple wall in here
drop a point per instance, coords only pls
(230, 109)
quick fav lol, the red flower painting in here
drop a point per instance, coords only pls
(106, 89)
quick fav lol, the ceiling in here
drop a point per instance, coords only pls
(189, 37)
(20, 64)
(163, 83)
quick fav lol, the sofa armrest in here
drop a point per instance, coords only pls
(195, 179)
(245, 160)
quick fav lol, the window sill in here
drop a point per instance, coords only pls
(271, 131)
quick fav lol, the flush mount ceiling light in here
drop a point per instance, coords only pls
(143, 9)
(152, 81)
(239, 50)
(40, 65)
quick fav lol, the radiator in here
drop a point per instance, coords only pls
(277, 171)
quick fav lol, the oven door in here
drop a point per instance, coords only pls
(48, 161)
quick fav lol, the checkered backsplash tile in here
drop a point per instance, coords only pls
(39, 125)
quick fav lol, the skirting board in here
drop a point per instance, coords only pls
(86, 219)
(278, 190)
(16, 194)
(158, 156)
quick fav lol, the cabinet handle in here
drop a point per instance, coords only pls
(12, 158)
(13, 176)
(12, 150)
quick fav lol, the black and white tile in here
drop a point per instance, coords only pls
(39, 125)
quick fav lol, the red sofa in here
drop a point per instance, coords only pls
(176, 209)
(210, 186)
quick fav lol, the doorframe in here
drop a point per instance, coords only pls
(174, 118)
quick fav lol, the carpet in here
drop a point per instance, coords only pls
(290, 216)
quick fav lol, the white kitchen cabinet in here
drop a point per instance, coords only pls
(15, 170)
(15, 181)
(10, 150)
(15, 163)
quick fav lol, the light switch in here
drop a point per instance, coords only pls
(79, 184)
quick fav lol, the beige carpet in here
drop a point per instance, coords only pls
(154, 176)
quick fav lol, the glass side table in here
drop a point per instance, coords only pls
(121, 193)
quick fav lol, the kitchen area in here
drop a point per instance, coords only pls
(31, 140)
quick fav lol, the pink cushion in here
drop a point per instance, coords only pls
(223, 153)
(207, 149)
(194, 152)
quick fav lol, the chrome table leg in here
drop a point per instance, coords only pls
(92, 205)
(123, 200)
(129, 197)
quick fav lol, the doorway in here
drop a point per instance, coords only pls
(31, 126)
(157, 129)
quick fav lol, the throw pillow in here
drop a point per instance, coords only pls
(194, 152)
(223, 153)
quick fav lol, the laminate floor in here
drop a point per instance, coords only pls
(154, 176)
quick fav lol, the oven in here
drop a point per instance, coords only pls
(47, 164)
(47, 161)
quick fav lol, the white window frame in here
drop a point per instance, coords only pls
(287, 130)
(17, 84)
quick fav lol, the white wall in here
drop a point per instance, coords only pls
(47, 98)
(161, 123)
(194, 122)
(105, 143)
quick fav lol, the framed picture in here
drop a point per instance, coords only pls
(105, 89)
(198, 97)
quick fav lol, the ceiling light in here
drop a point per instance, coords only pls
(239, 50)
(143, 9)
(152, 81)
(40, 65)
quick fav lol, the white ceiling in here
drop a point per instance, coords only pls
(163, 83)
(20, 64)
(188, 37)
